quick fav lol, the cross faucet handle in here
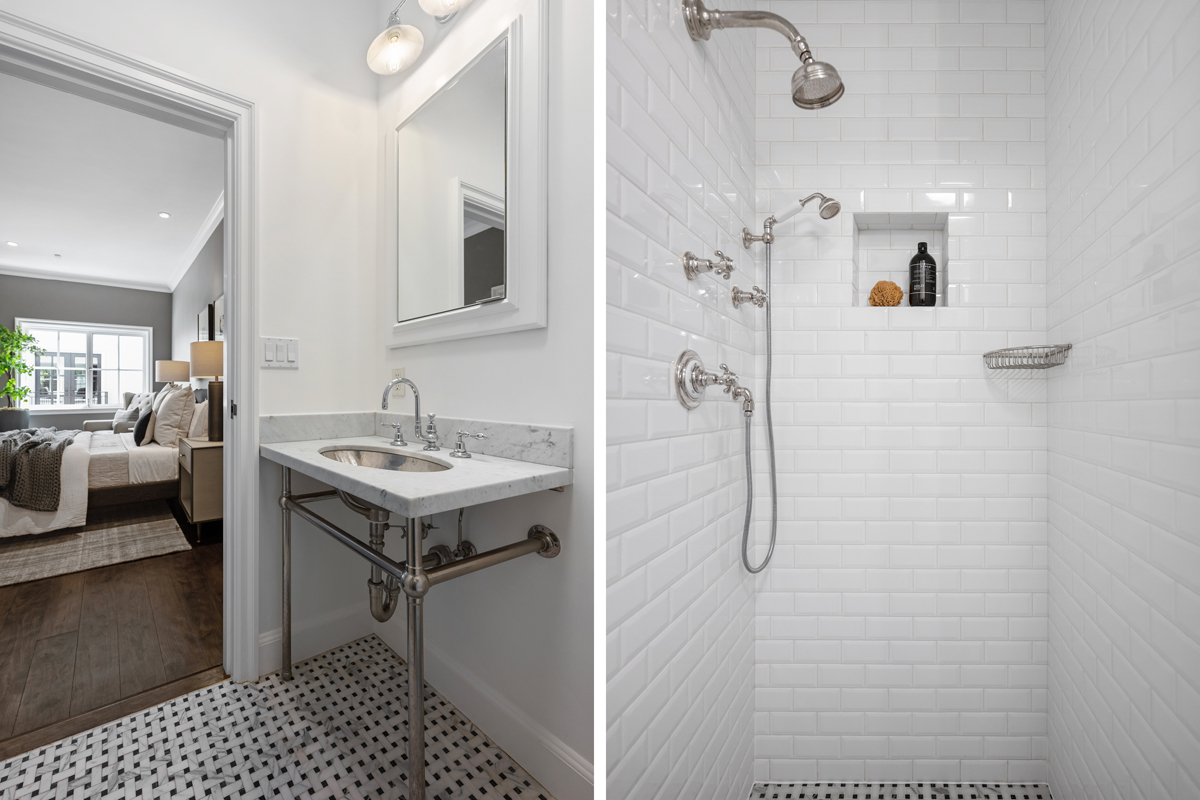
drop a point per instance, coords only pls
(431, 435)
(723, 265)
(727, 379)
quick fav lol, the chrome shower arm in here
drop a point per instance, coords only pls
(702, 21)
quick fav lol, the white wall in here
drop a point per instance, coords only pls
(521, 632)
(680, 606)
(1123, 82)
(901, 627)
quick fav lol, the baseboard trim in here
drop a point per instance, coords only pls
(314, 636)
(562, 770)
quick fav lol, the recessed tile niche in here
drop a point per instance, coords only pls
(884, 243)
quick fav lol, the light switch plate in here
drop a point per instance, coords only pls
(399, 389)
(280, 353)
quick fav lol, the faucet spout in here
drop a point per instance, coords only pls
(430, 439)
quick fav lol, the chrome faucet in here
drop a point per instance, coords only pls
(430, 437)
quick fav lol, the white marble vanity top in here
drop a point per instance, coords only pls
(469, 481)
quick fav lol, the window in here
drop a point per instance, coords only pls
(85, 366)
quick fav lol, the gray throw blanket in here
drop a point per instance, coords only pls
(31, 467)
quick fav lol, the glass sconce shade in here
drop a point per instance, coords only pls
(395, 49)
(443, 8)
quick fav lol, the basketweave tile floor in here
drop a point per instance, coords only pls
(339, 730)
(899, 791)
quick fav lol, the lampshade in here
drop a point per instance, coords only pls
(207, 360)
(443, 8)
(171, 371)
(395, 49)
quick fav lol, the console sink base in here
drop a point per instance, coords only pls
(413, 577)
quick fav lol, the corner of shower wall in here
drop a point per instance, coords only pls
(1124, 450)
(680, 164)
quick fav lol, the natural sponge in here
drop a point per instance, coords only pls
(886, 293)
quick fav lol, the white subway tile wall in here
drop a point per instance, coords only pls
(901, 628)
(1124, 413)
(680, 157)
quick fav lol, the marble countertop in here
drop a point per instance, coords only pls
(468, 482)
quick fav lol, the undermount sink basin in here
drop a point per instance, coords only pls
(377, 459)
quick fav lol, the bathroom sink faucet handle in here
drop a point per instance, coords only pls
(430, 436)
(398, 440)
(460, 449)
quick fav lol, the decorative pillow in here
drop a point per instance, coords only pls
(173, 416)
(143, 432)
(199, 426)
(127, 415)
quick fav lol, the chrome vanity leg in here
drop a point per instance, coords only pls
(285, 671)
(416, 663)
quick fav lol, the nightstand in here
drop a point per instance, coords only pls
(201, 480)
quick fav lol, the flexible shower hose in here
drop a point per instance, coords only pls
(770, 453)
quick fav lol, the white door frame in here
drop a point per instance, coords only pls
(52, 58)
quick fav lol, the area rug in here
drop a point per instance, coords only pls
(112, 535)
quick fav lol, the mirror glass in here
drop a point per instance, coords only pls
(451, 184)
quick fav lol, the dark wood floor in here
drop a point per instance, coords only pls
(77, 642)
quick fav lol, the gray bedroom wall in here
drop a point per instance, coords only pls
(200, 285)
(86, 302)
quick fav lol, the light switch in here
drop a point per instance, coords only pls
(280, 353)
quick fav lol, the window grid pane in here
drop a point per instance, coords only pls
(85, 368)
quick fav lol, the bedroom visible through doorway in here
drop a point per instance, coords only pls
(112, 476)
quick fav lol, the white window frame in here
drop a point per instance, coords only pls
(90, 328)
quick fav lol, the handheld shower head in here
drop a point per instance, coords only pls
(829, 208)
(815, 85)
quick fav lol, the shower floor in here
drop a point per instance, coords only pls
(339, 730)
(900, 791)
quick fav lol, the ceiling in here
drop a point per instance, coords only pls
(82, 185)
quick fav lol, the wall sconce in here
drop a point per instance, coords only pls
(397, 47)
(443, 10)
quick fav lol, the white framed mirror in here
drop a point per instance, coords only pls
(466, 180)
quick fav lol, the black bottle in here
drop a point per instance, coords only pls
(922, 278)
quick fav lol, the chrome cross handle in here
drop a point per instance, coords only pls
(694, 266)
(756, 296)
(430, 436)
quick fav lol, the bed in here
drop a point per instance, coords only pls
(106, 468)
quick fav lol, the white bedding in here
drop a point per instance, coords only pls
(72, 502)
(118, 461)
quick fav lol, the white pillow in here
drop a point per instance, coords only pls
(174, 415)
(199, 427)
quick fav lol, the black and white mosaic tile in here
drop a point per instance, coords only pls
(339, 730)
(900, 791)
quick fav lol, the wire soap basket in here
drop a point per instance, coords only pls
(1032, 357)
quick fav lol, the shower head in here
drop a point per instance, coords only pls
(829, 208)
(815, 85)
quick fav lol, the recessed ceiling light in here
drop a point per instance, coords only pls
(11, 244)
(164, 215)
